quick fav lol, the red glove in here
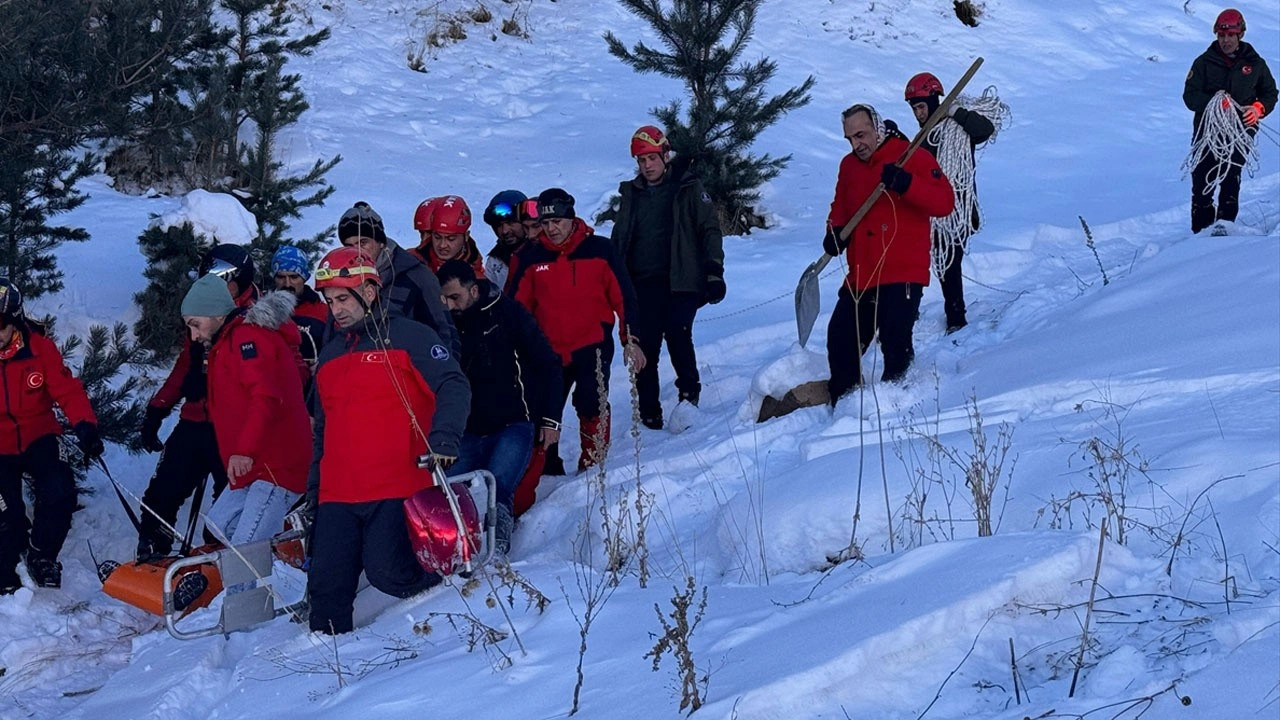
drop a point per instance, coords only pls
(1253, 113)
(1226, 102)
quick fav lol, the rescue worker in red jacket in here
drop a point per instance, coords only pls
(256, 406)
(444, 226)
(190, 454)
(35, 379)
(389, 391)
(574, 284)
(887, 252)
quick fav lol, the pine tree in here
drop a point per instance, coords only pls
(272, 100)
(48, 110)
(163, 49)
(37, 182)
(172, 254)
(727, 107)
(115, 401)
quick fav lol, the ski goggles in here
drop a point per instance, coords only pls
(220, 268)
(528, 210)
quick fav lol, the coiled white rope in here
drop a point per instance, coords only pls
(1223, 138)
(956, 158)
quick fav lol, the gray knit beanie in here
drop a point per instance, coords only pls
(208, 297)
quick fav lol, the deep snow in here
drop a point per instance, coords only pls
(1178, 357)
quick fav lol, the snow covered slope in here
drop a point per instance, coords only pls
(1174, 364)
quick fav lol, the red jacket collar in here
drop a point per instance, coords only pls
(581, 231)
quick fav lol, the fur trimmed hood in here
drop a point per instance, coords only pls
(272, 310)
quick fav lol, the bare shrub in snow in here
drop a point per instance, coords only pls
(674, 640)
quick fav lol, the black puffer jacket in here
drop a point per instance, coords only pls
(515, 375)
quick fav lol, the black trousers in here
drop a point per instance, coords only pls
(54, 489)
(582, 387)
(348, 538)
(1203, 213)
(952, 282)
(190, 454)
(665, 315)
(887, 310)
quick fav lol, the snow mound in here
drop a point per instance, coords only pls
(217, 216)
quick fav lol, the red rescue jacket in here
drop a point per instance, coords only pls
(891, 243)
(575, 289)
(34, 379)
(170, 392)
(381, 403)
(256, 373)
(426, 253)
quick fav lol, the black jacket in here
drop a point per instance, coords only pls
(979, 129)
(412, 290)
(515, 376)
(697, 251)
(1246, 78)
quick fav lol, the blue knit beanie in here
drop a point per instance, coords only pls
(290, 259)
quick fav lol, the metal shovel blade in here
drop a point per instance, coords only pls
(809, 298)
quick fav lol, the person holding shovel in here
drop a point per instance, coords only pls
(887, 251)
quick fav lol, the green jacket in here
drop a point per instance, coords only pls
(1247, 79)
(697, 250)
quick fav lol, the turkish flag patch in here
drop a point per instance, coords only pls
(1246, 69)
(248, 350)
(35, 380)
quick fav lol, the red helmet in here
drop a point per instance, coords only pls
(649, 139)
(922, 85)
(346, 267)
(438, 543)
(1230, 21)
(450, 215)
(422, 216)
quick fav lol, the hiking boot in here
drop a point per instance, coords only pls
(150, 550)
(955, 326)
(504, 524)
(653, 422)
(690, 397)
(189, 589)
(44, 572)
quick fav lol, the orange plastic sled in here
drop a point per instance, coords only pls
(142, 584)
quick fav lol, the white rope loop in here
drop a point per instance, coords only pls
(956, 158)
(1222, 137)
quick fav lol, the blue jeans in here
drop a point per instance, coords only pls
(505, 453)
(251, 513)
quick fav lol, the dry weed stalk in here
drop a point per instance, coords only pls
(676, 636)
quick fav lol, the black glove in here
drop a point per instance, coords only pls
(832, 244)
(960, 115)
(715, 290)
(149, 435)
(90, 441)
(895, 179)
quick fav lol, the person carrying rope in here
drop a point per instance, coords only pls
(389, 392)
(1229, 88)
(888, 250)
(953, 143)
